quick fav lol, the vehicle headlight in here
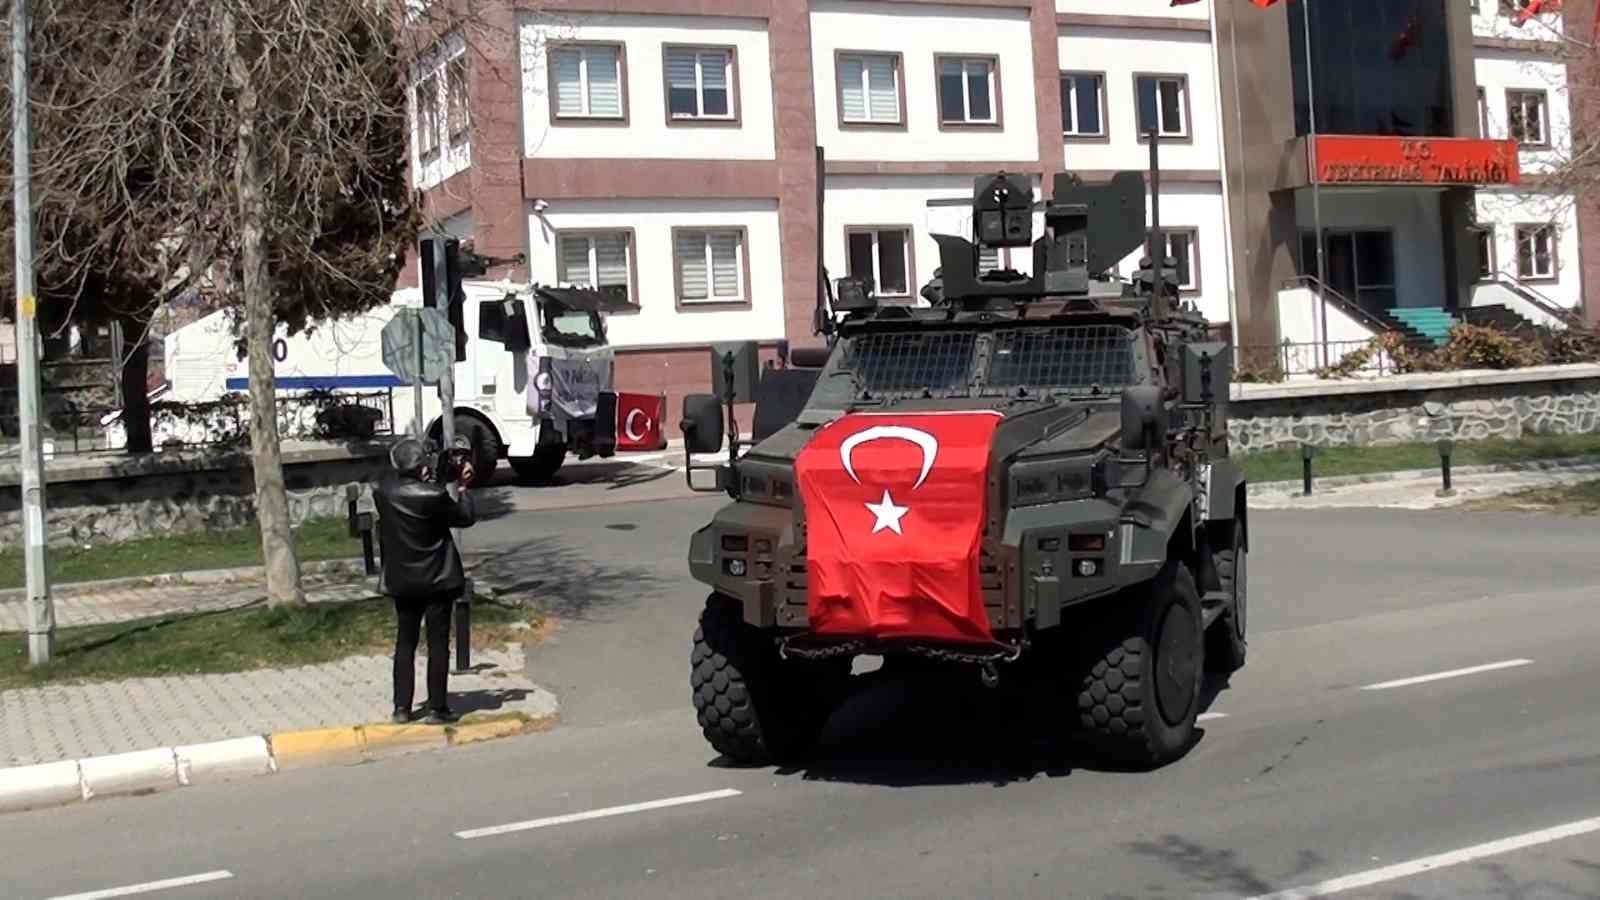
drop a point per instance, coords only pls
(766, 483)
(1053, 481)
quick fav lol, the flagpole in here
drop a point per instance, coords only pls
(1244, 170)
(1316, 190)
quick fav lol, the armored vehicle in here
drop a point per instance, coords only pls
(1028, 476)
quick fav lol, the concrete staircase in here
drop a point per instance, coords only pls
(1432, 322)
(1499, 317)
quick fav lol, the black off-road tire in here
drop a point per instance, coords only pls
(1139, 691)
(542, 466)
(753, 707)
(1226, 640)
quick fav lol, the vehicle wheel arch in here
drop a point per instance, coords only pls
(436, 427)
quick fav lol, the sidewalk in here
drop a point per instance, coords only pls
(86, 740)
(1420, 489)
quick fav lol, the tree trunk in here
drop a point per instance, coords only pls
(272, 500)
(135, 385)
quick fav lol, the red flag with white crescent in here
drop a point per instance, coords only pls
(894, 507)
(639, 422)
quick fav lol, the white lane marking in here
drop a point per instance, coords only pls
(597, 814)
(1453, 673)
(1206, 717)
(1440, 861)
(149, 886)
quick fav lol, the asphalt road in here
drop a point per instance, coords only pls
(1326, 763)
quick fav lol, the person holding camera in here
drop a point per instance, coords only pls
(422, 570)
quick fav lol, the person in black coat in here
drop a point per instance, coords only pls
(422, 570)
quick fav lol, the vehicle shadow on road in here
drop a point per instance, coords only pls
(563, 581)
(947, 729)
(612, 474)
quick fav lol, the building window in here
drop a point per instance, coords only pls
(587, 81)
(882, 256)
(1526, 119)
(869, 88)
(1082, 109)
(1536, 252)
(1485, 240)
(1163, 104)
(710, 265)
(699, 83)
(427, 103)
(1182, 244)
(1483, 114)
(456, 105)
(596, 259)
(968, 91)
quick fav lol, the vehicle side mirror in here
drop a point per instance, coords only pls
(1141, 410)
(702, 423)
(809, 357)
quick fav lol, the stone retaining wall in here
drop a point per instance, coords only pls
(108, 497)
(1401, 408)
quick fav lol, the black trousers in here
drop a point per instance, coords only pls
(411, 612)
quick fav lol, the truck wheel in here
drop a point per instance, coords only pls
(542, 465)
(485, 448)
(753, 708)
(1140, 691)
(1225, 642)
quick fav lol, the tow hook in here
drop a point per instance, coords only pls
(988, 675)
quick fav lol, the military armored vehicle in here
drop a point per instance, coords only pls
(1029, 476)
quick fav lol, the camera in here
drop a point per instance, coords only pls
(449, 462)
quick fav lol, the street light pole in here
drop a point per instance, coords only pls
(41, 612)
(1316, 188)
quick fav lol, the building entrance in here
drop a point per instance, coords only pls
(1359, 264)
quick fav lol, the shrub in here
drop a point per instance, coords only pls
(1481, 347)
(1572, 345)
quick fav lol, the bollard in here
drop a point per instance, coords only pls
(1306, 452)
(1446, 448)
(369, 557)
(463, 616)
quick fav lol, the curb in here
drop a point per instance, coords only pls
(1579, 464)
(167, 768)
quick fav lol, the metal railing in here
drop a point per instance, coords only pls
(1542, 302)
(73, 429)
(1354, 310)
(1289, 360)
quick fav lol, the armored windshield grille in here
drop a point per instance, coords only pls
(1074, 358)
(938, 362)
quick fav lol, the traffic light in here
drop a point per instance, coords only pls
(457, 265)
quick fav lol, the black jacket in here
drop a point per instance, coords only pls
(414, 522)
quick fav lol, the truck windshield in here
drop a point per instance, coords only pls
(1074, 359)
(572, 328)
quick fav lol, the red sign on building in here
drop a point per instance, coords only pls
(1349, 159)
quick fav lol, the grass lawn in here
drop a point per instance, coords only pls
(1284, 464)
(1581, 499)
(315, 540)
(235, 641)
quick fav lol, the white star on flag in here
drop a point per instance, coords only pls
(887, 513)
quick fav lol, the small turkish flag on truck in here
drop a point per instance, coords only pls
(639, 422)
(894, 509)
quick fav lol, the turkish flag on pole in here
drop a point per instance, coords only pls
(1261, 3)
(894, 507)
(639, 422)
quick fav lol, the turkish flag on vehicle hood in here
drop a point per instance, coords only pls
(894, 507)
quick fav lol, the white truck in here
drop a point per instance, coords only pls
(532, 383)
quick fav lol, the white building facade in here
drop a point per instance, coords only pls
(669, 145)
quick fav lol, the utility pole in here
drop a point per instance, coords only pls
(41, 612)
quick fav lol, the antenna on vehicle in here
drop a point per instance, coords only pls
(1155, 246)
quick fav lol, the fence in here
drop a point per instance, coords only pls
(74, 429)
(1292, 361)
